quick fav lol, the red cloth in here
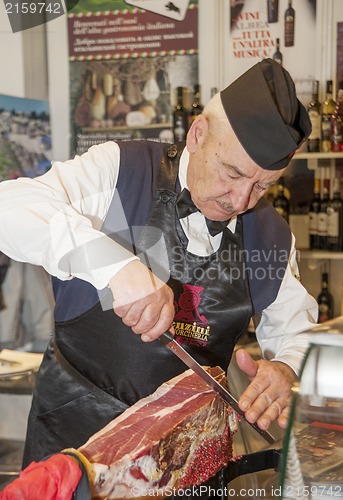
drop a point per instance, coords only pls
(53, 479)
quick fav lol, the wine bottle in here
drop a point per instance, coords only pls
(273, 11)
(313, 215)
(315, 111)
(335, 219)
(277, 56)
(328, 109)
(325, 301)
(179, 118)
(289, 25)
(323, 216)
(196, 107)
(281, 202)
(3, 272)
(336, 133)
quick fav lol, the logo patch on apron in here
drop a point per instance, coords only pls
(190, 326)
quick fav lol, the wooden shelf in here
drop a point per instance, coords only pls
(313, 159)
(317, 156)
(125, 127)
(319, 254)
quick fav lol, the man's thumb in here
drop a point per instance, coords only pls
(246, 363)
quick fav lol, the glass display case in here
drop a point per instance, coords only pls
(312, 457)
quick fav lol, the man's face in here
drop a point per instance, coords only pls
(223, 180)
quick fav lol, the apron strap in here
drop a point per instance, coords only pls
(85, 382)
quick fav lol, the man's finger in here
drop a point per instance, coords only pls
(164, 323)
(246, 363)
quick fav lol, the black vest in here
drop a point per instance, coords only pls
(215, 296)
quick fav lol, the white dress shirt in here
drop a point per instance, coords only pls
(64, 210)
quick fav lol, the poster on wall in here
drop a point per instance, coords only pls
(25, 137)
(284, 30)
(125, 63)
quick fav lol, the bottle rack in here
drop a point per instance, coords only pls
(313, 262)
(316, 258)
(313, 162)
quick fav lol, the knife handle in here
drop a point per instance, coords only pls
(166, 338)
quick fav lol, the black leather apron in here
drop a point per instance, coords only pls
(212, 306)
(96, 367)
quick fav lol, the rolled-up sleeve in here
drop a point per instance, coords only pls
(280, 327)
(56, 217)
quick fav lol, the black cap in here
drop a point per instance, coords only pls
(265, 114)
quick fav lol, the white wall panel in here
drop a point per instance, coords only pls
(58, 77)
(11, 58)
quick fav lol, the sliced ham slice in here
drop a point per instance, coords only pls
(178, 437)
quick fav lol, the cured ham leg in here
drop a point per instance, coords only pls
(178, 437)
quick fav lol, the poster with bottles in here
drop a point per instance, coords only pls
(283, 30)
(126, 60)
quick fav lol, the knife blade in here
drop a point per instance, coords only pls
(168, 340)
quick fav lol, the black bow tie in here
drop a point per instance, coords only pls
(185, 207)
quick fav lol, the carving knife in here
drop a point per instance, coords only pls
(168, 340)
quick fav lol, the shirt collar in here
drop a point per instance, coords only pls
(183, 167)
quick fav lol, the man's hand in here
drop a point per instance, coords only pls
(268, 397)
(142, 300)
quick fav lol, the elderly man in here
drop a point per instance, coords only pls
(178, 237)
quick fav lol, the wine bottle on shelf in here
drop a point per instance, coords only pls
(313, 216)
(315, 111)
(325, 301)
(273, 11)
(323, 216)
(196, 107)
(3, 270)
(277, 56)
(281, 202)
(336, 133)
(335, 219)
(328, 109)
(289, 25)
(179, 117)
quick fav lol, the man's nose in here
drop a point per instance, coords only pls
(241, 198)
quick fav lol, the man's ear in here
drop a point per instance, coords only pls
(197, 133)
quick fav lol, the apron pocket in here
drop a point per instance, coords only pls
(70, 425)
